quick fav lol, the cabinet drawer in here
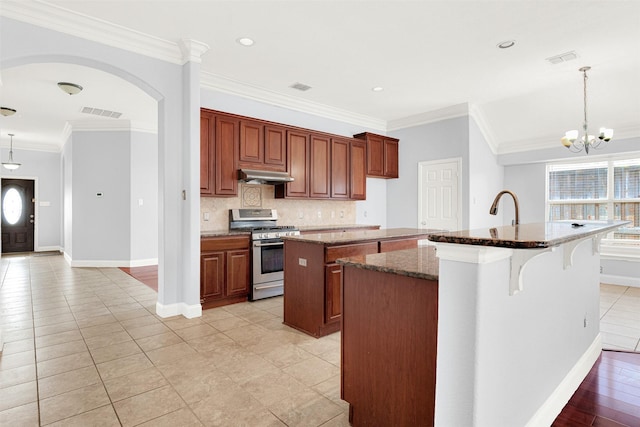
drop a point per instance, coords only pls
(397, 245)
(334, 252)
(208, 244)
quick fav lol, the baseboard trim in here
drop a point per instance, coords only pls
(554, 404)
(48, 249)
(188, 311)
(620, 280)
(110, 263)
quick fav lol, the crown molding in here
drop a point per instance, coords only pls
(192, 50)
(553, 141)
(451, 112)
(234, 87)
(485, 129)
(46, 15)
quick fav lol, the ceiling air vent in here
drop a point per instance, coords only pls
(101, 112)
(301, 87)
(562, 57)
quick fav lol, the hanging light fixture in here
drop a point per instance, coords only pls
(70, 88)
(11, 165)
(585, 142)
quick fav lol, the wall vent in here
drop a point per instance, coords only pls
(101, 112)
(300, 86)
(564, 57)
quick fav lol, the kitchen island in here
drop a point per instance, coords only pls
(501, 333)
(312, 278)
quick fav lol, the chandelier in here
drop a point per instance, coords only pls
(586, 141)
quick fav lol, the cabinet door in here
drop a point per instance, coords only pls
(211, 275)
(298, 164)
(227, 140)
(340, 168)
(333, 277)
(251, 143)
(237, 273)
(375, 155)
(207, 135)
(390, 158)
(358, 161)
(319, 181)
(275, 148)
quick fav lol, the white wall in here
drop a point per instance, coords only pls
(179, 284)
(144, 186)
(101, 224)
(44, 168)
(434, 141)
(486, 180)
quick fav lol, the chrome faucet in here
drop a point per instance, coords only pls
(494, 206)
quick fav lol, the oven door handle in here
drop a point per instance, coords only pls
(268, 286)
(259, 245)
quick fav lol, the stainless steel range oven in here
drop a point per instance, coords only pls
(267, 274)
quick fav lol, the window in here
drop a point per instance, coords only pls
(596, 191)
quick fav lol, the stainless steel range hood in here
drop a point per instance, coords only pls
(252, 176)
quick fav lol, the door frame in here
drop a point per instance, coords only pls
(36, 205)
(422, 168)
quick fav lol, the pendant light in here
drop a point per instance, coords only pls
(576, 144)
(11, 165)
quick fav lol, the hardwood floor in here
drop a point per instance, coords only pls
(609, 396)
(147, 275)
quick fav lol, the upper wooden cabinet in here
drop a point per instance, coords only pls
(219, 136)
(320, 179)
(207, 136)
(358, 170)
(340, 168)
(226, 156)
(382, 155)
(262, 146)
(298, 166)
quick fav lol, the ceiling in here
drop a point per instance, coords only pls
(429, 56)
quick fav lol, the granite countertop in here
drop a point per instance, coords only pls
(306, 228)
(348, 237)
(420, 263)
(224, 232)
(527, 236)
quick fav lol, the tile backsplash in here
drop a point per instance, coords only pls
(296, 212)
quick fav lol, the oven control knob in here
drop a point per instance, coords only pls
(264, 236)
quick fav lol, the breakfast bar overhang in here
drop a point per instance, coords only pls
(517, 323)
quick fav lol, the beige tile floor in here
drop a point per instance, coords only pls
(83, 347)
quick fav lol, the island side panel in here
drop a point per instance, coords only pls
(304, 286)
(389, 339)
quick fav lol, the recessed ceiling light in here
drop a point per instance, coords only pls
(245, 41)
(377, 89)
(506, 44)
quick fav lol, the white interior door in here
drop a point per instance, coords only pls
(439, 197)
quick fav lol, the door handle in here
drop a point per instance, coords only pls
(31, 216)
(31, 221)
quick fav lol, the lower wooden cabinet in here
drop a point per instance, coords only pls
(313, 280)
(224, 270)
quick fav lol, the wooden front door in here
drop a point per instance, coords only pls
(18, 215)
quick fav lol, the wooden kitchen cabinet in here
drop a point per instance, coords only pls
(382, 155)
(262, 147)
(320, 167)
(224, 270)
(358, 170)
(312, 279)
(207, 155)
(297, 165)
(340, 168)
(219, 136)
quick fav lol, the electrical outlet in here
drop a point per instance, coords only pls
(341, 214)
(302, 262)
(300, 215)
(333, 214)
(319, 214)
(601, 269)
(206, 216)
